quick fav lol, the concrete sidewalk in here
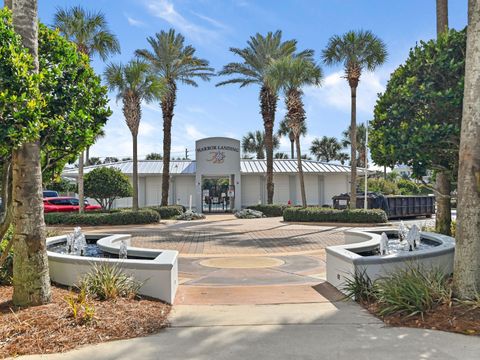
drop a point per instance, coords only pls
(339, 330)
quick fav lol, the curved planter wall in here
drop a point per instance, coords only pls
(159, 271)
(343, 260)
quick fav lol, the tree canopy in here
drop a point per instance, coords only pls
(63, 107)
(105, 184)
(417, 119)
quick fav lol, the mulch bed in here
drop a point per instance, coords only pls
(457, 317)
(49, 328)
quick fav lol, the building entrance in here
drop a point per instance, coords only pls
(215, 197)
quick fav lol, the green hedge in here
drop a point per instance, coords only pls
(168, 212)
(317, 214)
(101, 218)
(270, 210)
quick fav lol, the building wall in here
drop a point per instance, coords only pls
(153, 192)
(335, 184)
(184, 187)
(311, 190)
(252, 190)
(281, 193)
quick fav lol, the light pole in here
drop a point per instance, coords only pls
(365, 202)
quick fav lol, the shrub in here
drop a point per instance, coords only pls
(360, 287)
(190, 215)
(106, 282)
(103, 218)
(6, 269)
(317, 214)
(168, 212)
(269, 210)
(106, 184)
(412, 291)
(249, 214)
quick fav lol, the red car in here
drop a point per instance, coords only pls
(65, 204)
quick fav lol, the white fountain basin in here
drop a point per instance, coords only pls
(343, 260)
(159, 271)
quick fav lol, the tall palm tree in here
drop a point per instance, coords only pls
(31, 282)
(443, 179)
(361, 139)
(174, 62)
(254, 142)
(256, 58)
(466, 275)
(356, 51)
(327, 149)
(284, 130)
(134, 84)
(290, 74)
(90, 32)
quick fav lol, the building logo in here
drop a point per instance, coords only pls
(217, 157)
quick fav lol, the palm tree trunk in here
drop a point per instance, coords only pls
(443, 218)
(168, 104)
(135, 174)
(31, 281)
(292, 145)
(300, 172)
(268, 104)
(467, 249)
(442, 16)
(81, 196)
(353, 149)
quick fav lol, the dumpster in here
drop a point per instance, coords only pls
(395, 206)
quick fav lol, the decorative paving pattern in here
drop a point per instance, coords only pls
(252, 262)
(247, 242)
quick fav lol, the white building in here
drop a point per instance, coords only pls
(218, 180)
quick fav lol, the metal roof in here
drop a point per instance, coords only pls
(188, 167)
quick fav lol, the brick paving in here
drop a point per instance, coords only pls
(235, 237)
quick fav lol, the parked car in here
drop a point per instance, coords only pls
(50, 193)
(65, 204)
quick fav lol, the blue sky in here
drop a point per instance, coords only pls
(212, 26)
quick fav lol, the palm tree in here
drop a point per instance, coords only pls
(98, 136)
(327, 149)
(284, 130)
(356, 51)
(466, 274)
(133, 84)
(442, 16)
(254, 142)
(361, 145)
(90, 32)
(290, 74)
(256, 58)
(31, 282)
(280, 155)
(174, 62)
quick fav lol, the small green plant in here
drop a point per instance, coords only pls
(412, 291)
(79, 308)
(360, 287)
(107, 282)
(6, 267)
(169, 211)
(269, 210)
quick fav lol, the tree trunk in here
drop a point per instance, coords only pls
(31, 281)
(442, 16)
(135, 174)
(443, 217)
(268, 105)
(292, 145)
(168, 104)
(467, 249)
(353, 149)
(81, 196)
(87, 156)
(300, 172)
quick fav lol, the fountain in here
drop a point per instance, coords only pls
(380, 251)
(123, 252)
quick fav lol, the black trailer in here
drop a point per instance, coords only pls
(396, 206)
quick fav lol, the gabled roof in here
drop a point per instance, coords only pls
(188, 167)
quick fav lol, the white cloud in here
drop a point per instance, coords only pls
(335, 92)
(164, 9)
(134, 22)
(193, 133)
(211, 21)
